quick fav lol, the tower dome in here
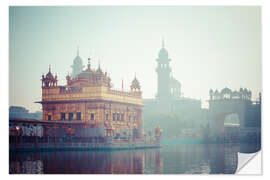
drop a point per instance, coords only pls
(163, 53)
(49, 80)
(77, 60)
(86, 73)
(49, 74)
(135, 82)
(135, 85)
(77, 66)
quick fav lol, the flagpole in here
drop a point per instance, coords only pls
(122, 84)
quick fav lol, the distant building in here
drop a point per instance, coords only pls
(169, 95)
(36, 115)
(175, 88)
(77, 66)
(19, 112)
(163, 70)
(168, 86)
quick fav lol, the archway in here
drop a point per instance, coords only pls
(232, 120)
(223, 125)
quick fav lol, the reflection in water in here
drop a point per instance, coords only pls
(223, 159)
(170, 159)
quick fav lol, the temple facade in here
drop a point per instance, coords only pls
(89, 98)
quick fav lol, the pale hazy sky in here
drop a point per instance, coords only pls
(210, 47)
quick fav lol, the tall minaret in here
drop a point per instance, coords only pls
(163, 70)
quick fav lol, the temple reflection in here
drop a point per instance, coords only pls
(86, 162)
(173, 159)
(223, 159)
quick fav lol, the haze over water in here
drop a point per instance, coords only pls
(172, 158)
(210, 47)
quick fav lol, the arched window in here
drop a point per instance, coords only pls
(107, 116)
